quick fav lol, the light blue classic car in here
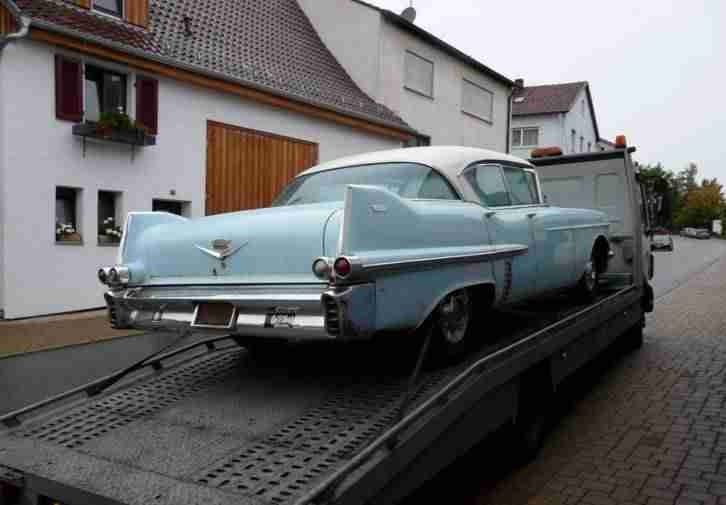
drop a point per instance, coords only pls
(379, 243)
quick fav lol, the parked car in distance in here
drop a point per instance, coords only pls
(662, 241)
(381, 243)
(700, 233)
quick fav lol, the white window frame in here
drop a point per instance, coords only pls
(489, 119)
(521, 129)
(433, 74)
(121, 15)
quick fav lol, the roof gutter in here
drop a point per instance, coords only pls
(20, 34)
(44, 25)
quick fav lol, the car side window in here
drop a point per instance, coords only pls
(522, 189)
(488, 184)
(435, 187)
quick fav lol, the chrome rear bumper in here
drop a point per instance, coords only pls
(320, 312)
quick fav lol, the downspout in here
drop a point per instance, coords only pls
(509, 120)
(20, 34)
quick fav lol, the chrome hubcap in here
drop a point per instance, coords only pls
(590, 276)
(454, 316)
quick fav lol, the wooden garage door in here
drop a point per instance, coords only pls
(246, 169)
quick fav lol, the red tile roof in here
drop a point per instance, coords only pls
(547, 99)
(266, 44)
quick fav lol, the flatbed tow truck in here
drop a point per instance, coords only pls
(210, 423)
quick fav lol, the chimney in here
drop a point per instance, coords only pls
(519, 83)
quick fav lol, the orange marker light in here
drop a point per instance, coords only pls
(621, 141)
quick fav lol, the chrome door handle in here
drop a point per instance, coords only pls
(490, 214)
(532, 215)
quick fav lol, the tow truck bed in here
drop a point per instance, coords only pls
(314, 425)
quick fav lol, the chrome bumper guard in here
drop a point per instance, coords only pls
(320, 312)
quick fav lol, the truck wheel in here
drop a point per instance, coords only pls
(536, 399)
(590, 280)
(451, 323)
(633, 338)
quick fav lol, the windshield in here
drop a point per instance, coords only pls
(407, 180)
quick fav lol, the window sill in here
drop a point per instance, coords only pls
(476, 116)
(108, 244)
(69, 242)
(419, 93)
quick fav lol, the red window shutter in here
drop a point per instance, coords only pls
(68, 89)
(147, 103)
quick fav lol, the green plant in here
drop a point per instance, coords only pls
(115, 120)
(110, 229)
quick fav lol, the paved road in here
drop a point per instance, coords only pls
(33, 377)
(647, 428)
(689, 257)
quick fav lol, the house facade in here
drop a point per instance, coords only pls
(111, 106)
(449, 97)
(560, 115)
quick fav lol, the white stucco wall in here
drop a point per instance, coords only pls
(351, 31)
(373, 51)
(582, 124)
(550, 131)
(556, 129)
(440, 117)
(41, 153)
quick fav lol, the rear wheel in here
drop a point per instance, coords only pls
(451, 322)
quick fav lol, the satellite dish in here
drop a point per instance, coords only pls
(409, 14)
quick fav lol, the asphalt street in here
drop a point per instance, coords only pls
(27, 379)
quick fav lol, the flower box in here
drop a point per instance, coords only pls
(130, 136)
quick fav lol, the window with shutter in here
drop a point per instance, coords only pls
(147, 103)
(68, 89)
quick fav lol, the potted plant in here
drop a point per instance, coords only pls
(66, 233)
(109, 232)
(116, 126)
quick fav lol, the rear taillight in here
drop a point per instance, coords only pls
(342, 267)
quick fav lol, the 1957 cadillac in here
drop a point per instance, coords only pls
(375, 244)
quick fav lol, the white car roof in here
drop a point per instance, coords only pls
(449, 160)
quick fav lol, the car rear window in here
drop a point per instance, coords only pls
(407, 180)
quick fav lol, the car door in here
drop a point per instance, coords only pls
(507, 224)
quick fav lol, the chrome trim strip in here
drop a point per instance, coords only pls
(578, 227)
(445, 260)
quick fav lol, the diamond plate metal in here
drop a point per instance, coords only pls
(298, 454)
(108, 413)
(10, 476)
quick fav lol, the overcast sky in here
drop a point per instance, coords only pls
(657, 68)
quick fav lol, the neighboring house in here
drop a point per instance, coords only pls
(605, 145)
(559, 115)
(446, 95)
(229, 100)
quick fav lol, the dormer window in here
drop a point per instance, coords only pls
(110, 7)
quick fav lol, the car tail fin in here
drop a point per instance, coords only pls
(375, 218)
(136, 224)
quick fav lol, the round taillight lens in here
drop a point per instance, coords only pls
(102, 276)
(342, 267)
(321, 268)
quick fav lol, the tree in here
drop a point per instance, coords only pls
(702, 204)
(659, 185)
